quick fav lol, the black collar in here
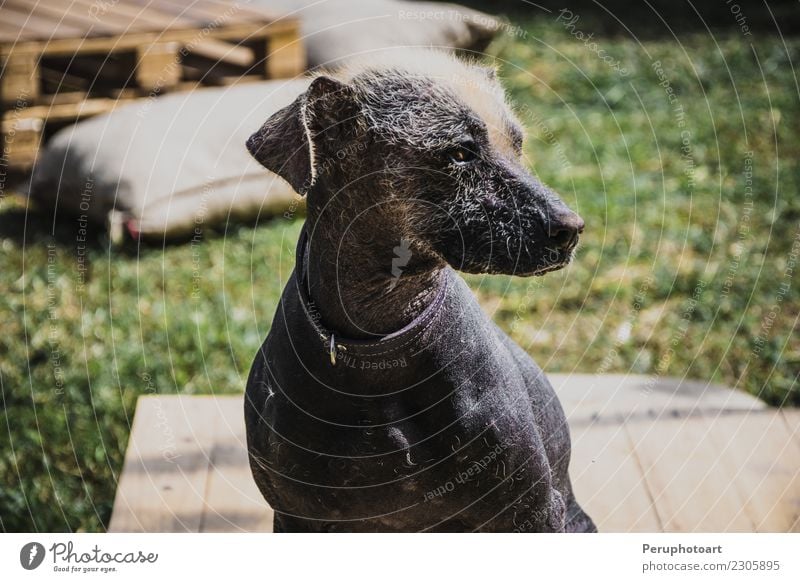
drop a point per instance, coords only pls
(334, 342)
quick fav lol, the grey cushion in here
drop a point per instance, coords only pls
(168, 165)
(334, 30)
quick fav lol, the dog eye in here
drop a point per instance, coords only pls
(464, 153)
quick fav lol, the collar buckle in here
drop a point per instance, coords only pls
(332, 348)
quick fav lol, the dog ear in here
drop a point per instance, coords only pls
(285, 144)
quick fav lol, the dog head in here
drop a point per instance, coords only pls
(433, 138)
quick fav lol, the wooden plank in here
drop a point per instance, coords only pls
(242, 11)
(137, 18)
(69, 46)
(120, 15)
(61, 16)
(67, 111)
(792, 420)
(217, 51)
(233, 502)
(21, 140)
(286, 56)
(20, 78)
(619, 397)
(692, 488)
(608, 481)
(158, 66)
(765, 464)
(195, 11)
(9, 32)
(43, 21)
(186, 469)
(163, 482)
(211, 11)
(30, 26)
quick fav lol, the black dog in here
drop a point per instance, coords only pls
(383, 399)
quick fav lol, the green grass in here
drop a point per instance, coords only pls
(647, 293)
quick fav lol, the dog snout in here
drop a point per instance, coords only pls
(564, 227)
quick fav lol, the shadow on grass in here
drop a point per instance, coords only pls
(31, 226)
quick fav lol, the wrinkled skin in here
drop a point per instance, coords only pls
(382, 166)
(486, 214)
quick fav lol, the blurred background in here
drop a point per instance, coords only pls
(670, 127)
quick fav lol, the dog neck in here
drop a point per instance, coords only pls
(365, 275)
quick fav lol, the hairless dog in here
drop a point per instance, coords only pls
(383, 398)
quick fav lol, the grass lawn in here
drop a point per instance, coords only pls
(686, 173)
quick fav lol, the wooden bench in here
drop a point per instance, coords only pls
(63, 60)
(665, 455)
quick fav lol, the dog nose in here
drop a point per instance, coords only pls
(563, 229)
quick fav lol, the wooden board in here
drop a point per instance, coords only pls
(620, 397)
(693, 490)
(64, 25)
(167, 464)
(608, 481)
(233, 502)
(764, 461)
(792, 420)
(186, 469)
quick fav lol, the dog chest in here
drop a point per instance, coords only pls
(406, 473)
(447, 440)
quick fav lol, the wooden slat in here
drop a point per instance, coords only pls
(68, 111)
(608, 481)
(10, 32)
(286, 55)
(163, 483)
(61, 15)
(224, 52)
(21, 140)
(68, 46)
(242, 10)
(20, 26)
(233, 502)
(213, 9)
(735, 472)
(84, 18)
(620, 397)
(692, 489)
(207, 11)
(136, 18)
(188, 11)
(28, 26)
(765, 465)
(792, 420)
(158, 66)
(67, 28)
(19, 79)
(121, 15)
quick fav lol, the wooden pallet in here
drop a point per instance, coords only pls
(667, 456)
(67, 59)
